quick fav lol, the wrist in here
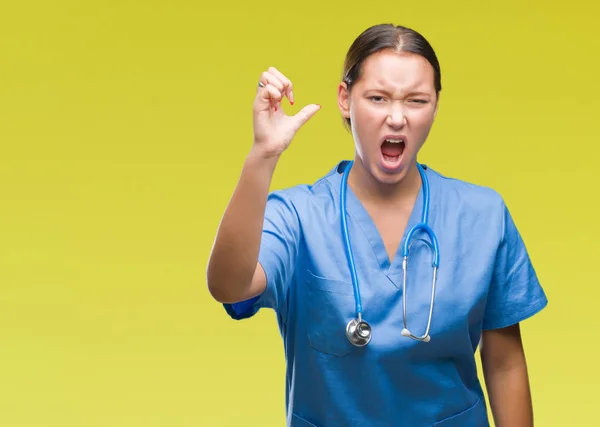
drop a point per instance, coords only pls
(260, 159)
(259, 155)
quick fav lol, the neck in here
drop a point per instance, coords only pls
(370, 190)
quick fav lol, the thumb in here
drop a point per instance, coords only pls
(305, 114)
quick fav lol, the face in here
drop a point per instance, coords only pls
(392, 108)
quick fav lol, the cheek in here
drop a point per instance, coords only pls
(366, 127)
(366, 118)
(422, 121)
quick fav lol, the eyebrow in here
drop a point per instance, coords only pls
(409, 93)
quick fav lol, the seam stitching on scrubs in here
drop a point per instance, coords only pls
(287, 201)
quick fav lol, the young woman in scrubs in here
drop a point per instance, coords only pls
(286, 250)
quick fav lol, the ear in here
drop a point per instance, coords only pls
(437, 103)
(344, 100)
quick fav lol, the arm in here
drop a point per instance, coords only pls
(505, 372)
(515, 294)
(234, 273)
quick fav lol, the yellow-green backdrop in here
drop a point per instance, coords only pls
(123, 126)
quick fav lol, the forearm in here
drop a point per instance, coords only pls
(234, 256)
(509, 393)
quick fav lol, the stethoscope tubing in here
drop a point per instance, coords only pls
(362, 340)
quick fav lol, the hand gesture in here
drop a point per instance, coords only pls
(274, 129)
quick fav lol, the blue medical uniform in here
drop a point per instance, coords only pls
(485, 281)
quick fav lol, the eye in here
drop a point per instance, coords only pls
(376, 98)
(419, 101)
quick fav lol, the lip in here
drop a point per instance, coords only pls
(392, 168)
(402, 137)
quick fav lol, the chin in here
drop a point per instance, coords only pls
(388, 179)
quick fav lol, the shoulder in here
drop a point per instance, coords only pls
(466, 195)
(307, 196)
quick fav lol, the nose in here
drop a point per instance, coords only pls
(396, 117)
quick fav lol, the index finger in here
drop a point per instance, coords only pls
(287, 84)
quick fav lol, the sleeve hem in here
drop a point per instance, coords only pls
(519, 316)
(243, 309)
(248, 308)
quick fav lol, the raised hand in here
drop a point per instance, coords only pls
(273, 128)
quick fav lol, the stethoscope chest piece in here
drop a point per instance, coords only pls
(358, 332)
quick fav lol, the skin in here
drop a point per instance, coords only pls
(506, 378)
(234, 273)
(394, 95)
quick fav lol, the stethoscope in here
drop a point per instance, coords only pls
(358, 330)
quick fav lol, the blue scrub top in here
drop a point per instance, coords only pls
(485, 281)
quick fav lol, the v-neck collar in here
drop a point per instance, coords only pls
(356, 210)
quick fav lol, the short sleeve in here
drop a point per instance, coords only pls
(515, 292)
(277, 256)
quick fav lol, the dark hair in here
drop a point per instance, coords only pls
(387, 36)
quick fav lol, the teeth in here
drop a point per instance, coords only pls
(395, 141)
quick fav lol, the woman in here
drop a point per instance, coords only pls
(330, 256)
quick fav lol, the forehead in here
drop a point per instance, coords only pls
(390, 70)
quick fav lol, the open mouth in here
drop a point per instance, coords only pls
(392, 149)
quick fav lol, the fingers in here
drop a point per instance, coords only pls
(274, 77)
(305, 114)
(269, 96)
(287, 84)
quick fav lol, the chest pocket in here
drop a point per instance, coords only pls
(475, 416)
(330, 306)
